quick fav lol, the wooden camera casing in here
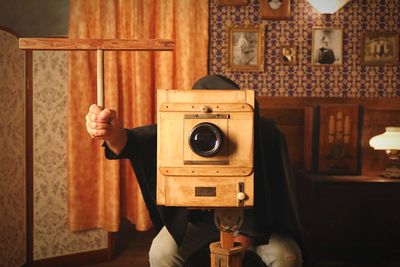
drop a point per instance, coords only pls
(185, 178)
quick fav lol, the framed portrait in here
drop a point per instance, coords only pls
(327, 46)
(232, 2)
(288, 54)
(246, 48)
(380, 48)
(275, 9)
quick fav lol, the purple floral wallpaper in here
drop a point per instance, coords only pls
(350, 79)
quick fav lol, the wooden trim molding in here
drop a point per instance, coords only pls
(111, 246)
(29, 155)
(266, 102)
(289, 115)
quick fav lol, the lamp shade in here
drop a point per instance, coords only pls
(328, 6)
(390, 139)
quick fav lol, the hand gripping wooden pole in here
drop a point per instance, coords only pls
(99, 45)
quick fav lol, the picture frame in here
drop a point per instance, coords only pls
(232, 2)
(275, 9)
(245, 46)
(327, 46)
(380, 48)
(288, 54)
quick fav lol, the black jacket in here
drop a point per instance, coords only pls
(274, 196)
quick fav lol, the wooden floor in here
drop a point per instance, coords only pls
(132, 250)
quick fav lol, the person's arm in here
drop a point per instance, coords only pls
(103, 124)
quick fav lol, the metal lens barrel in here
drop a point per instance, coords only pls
(205, 139)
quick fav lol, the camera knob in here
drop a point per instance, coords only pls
(241, 196)
(206, 109)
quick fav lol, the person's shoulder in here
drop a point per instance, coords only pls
(267, 124)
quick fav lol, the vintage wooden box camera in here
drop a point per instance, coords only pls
(205, 148)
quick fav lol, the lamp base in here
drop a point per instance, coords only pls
(391, 172)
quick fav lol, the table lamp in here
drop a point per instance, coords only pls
(390, 142)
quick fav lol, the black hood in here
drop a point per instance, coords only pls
(275, 207)
(275, 204)
(215, 81)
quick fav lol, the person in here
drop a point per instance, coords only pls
(247, 55)
(275, 4)
(383, 47)
(287, 55)
(325, 54)
(373, 48)
(270, 231)
(243, 44)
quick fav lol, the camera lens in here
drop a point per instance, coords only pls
(205, 139)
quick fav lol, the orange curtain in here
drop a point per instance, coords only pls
(102, 191)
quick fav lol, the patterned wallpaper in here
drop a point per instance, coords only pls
(51, 236)
(12, 160)
(302, 79)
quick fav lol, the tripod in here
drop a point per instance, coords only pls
(226, 252)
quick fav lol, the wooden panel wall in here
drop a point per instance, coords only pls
(376, 114)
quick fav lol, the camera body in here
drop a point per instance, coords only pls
(205, 144)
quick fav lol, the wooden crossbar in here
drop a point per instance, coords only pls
(95, 44)
(99, 45)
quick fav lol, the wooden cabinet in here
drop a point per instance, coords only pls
(352, 219)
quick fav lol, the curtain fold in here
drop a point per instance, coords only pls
(101, 191)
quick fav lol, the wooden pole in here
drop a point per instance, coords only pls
(226, 239)
(226, 253)
(100, 78)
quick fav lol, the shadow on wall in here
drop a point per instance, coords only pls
(40, 18)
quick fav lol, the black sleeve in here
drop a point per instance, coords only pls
(138, 140)
(141, 150)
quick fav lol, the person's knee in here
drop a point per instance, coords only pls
(164, 251)
(281, 251)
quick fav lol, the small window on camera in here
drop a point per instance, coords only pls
(206, 139)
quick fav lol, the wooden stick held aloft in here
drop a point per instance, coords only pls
(100, 78)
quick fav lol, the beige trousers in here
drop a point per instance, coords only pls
(281, 251)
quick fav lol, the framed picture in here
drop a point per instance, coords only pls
(327, 46)
(246, 48)
(380, 48)
(232, 2)
(288, 54)
(275, 9)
